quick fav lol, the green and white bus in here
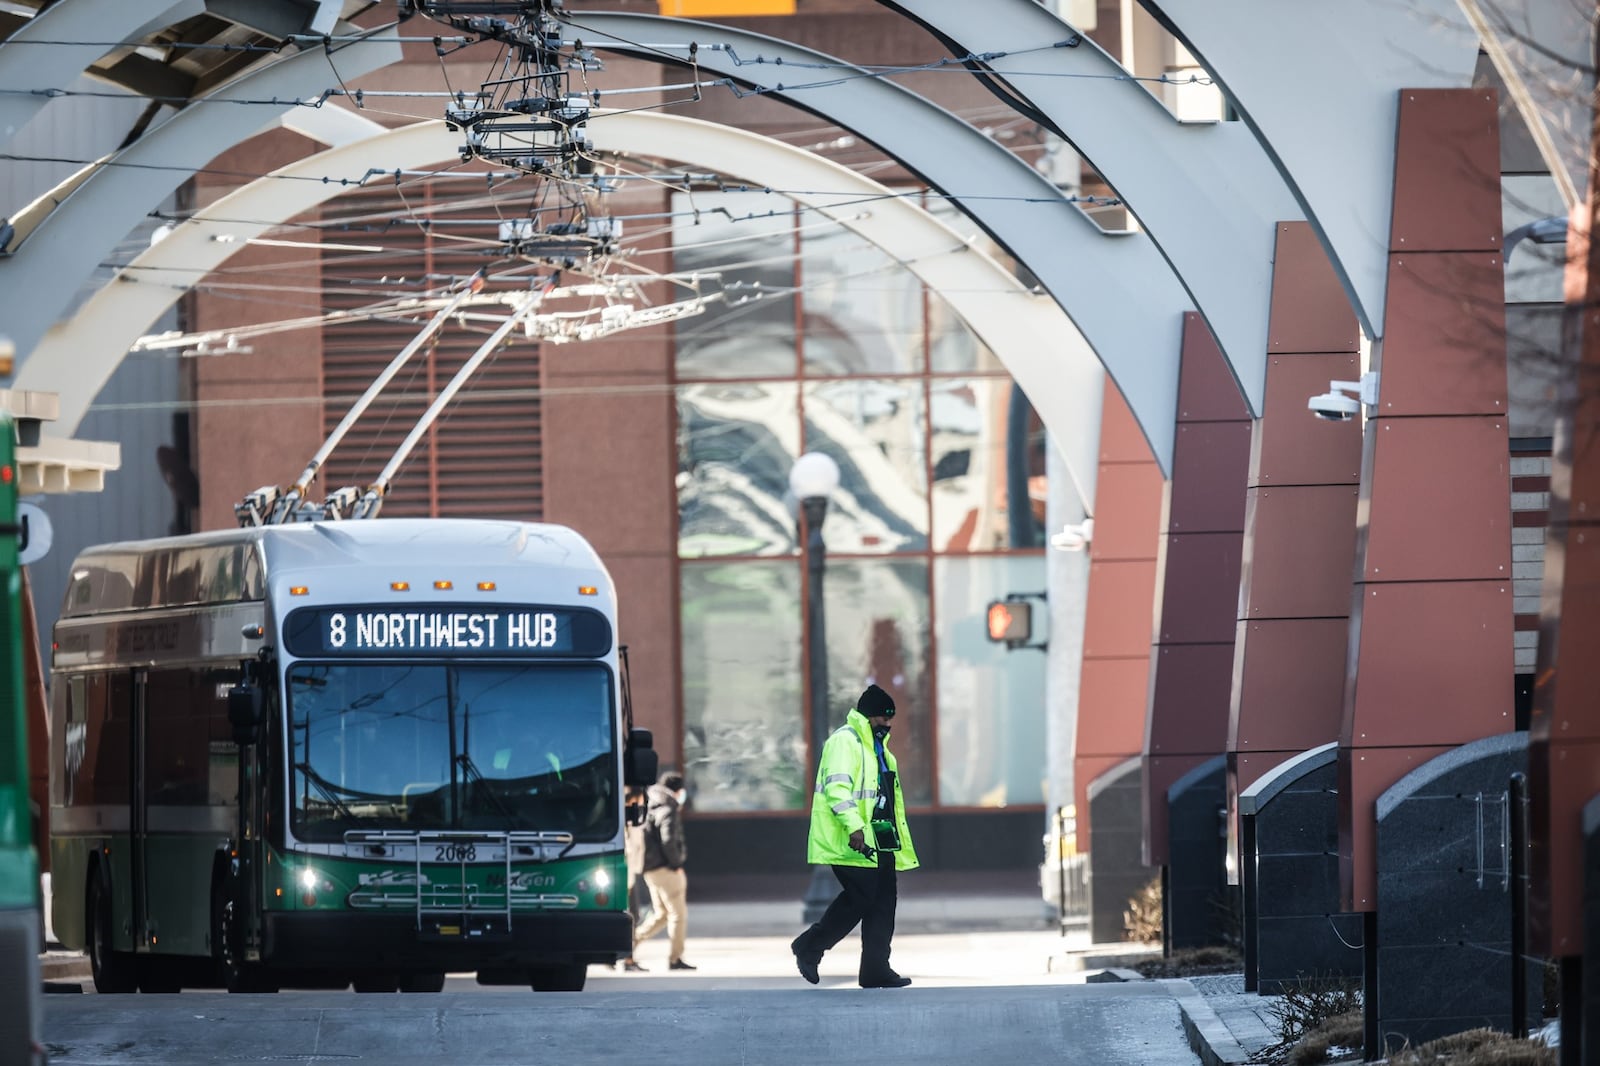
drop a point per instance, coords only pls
(367, 752)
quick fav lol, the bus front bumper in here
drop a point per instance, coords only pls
(345, 939)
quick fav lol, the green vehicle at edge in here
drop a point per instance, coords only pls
(20, 932)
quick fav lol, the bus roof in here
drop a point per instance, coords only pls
(232, 566)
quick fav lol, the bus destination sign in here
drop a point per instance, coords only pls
(454, 630)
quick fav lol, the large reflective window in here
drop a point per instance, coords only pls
(988, 466)
(863, 310)
(503, 747)
(877, 618)
(991, 701)
(747, 240)
(736, 444)
(876, 432)
(744, 741)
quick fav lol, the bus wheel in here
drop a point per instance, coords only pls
(233, 973)
(422, 982)
(114, 971)
(376, 982)
(567, 978)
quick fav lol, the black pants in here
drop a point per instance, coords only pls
(868, 897)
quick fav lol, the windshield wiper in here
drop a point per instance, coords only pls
(471, 768)
(327, 793)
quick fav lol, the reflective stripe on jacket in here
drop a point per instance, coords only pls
(842, 802)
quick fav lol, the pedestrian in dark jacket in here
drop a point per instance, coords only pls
(665, 854)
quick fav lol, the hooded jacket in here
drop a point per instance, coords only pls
(846, 789)
(664, 845)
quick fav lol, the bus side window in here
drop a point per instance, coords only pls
(222, 752)
(107, 740)
(178, 711)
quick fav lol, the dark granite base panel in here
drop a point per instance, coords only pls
(1307, 948)
(1444, 908)
(1197, 900)
(1116, 864)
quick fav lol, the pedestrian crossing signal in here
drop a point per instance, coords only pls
(1011, 621)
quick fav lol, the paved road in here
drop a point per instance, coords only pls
(979, 998)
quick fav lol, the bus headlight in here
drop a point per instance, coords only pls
(308, 879)
(602, 879)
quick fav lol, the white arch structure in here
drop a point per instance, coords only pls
(63, 235)
(1117, 289)
(1027, 331)
(29, 69)
(1205, 191)
(1318, 83)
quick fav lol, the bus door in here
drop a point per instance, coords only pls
(139, 811)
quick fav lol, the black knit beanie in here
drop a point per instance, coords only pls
(875, 702)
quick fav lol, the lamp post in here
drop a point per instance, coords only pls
(813, 479)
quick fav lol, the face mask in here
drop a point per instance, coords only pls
(683, 795)
(881, 731)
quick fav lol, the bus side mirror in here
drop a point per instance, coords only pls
(640, 762)
(246, 710)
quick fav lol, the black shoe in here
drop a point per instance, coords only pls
(807, 965)
(887, 980)
(679, 964)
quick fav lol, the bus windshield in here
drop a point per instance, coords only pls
(412, 746)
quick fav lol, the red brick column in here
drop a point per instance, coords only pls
(1116, 628)
(1202, 532)
(1300, 525)
(1431, 661)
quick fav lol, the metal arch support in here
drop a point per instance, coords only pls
(1330, 124)
(27, 69)
(42, 276)
(1204, 191)
(79, 354)
(1115, 287)
(1063, 380)
(1028, 332)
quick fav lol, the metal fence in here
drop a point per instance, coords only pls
(1064, 874)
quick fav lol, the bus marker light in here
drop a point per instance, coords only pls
(6, 474)
(309, 899)
(486, 586)
(444, 586)
(400, 586)
(588, 590)
(298, 590)
(601, 899)
(280, 893)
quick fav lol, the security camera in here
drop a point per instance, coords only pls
(1336, 406)
(1073, 538)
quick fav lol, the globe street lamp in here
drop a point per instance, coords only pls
(813, 479)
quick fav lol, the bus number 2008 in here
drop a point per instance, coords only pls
(455, 852)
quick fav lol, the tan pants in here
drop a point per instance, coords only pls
(669, 907)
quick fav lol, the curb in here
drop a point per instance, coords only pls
(64, 968)
(1113, 975)
(1208, 1037)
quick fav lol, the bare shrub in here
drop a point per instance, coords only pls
(1142, 919)
(1341, 1031)
(1308, 1005)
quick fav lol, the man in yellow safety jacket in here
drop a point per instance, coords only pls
(858, 827)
